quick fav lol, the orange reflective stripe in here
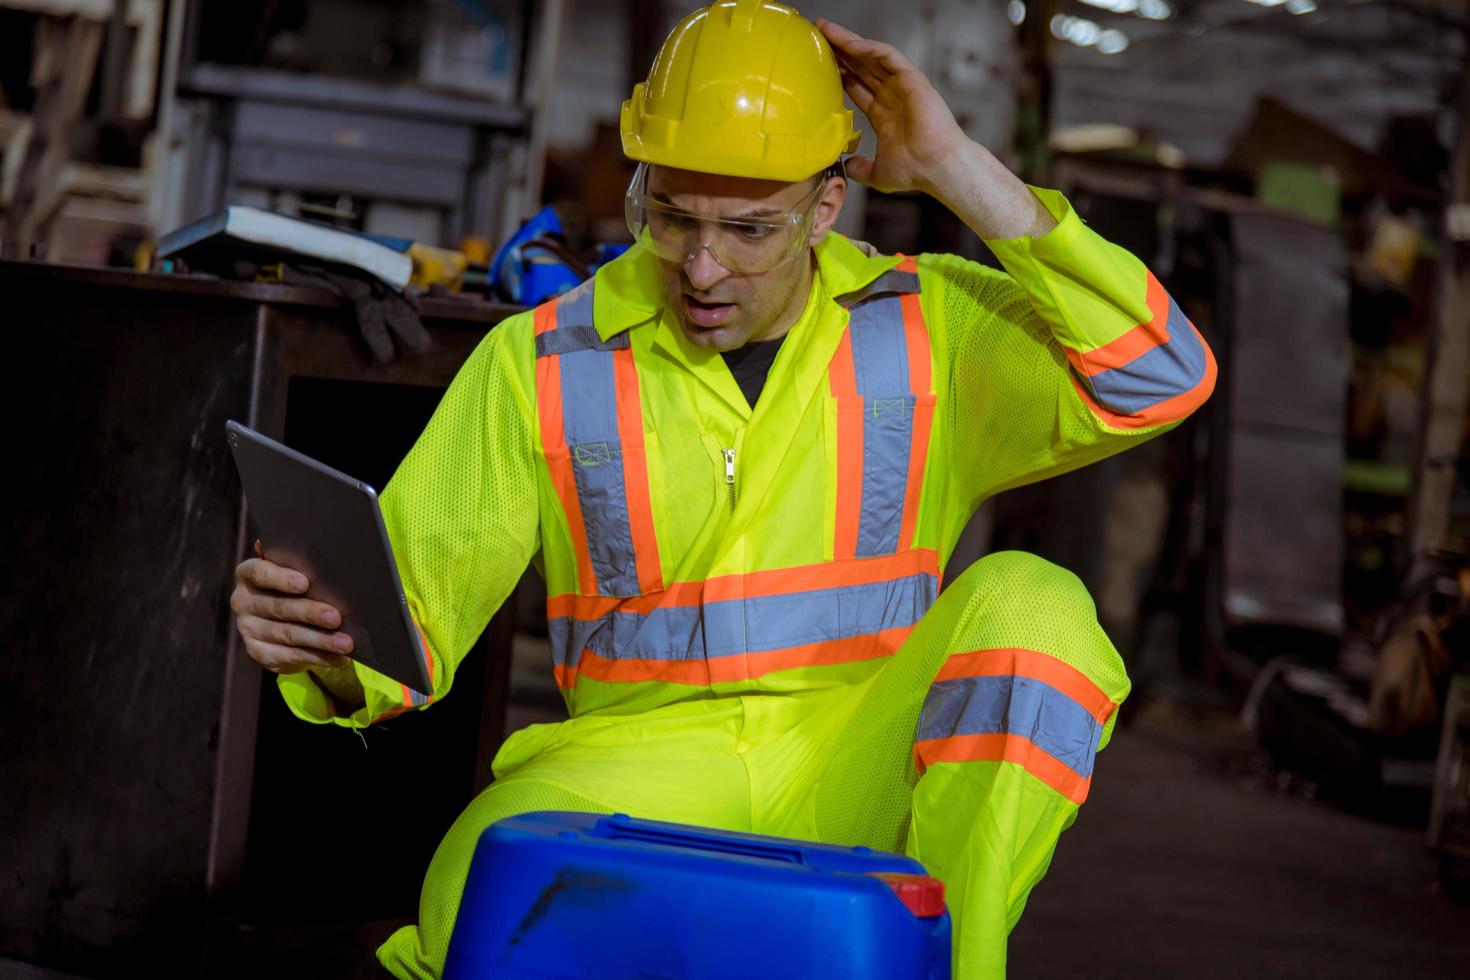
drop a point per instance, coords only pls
(884, 419)
(1038, 666)
(776, 581)
(635, 471)
(554, 445)
(592, 413)
(916, 336)
(843, 377)
(825, 575)
(732, 668)
(1004, 748)
(1136, 342)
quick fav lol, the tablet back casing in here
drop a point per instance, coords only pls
(328, 526)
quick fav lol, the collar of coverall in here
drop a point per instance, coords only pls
(630, 289)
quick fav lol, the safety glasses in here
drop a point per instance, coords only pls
(745, 246)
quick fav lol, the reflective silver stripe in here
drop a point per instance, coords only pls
(1021, 706)
(756, 624)
(881, 367)
(1156, 375)
(590, 416)
(590, 427)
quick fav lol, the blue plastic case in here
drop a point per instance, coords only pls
(575, 895)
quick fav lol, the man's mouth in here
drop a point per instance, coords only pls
(707, 314)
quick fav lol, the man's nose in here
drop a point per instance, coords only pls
(702, 270)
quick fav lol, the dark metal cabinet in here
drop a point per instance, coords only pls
(150, 793)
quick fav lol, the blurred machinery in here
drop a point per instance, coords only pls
(411, 120)
(71, 167)
(434, 160)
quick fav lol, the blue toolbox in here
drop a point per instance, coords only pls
(576, 895)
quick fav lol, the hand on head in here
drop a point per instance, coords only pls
(915, 130)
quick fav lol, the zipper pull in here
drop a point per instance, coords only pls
(730, 475)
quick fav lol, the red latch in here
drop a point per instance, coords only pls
(923, 895)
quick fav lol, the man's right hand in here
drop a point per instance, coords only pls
(284, 632)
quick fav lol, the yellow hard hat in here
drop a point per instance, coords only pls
(744, 88)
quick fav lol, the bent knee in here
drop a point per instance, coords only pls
(1022, 584)
(1017, 600)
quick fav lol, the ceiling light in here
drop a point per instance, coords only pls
(1112, 41)
(1086, 34)
(1147, 9)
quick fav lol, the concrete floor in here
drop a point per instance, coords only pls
(1185, 862)
(1180, 865)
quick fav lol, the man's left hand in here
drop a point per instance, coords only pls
(922, 148)
(916, 131)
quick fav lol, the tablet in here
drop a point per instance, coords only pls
(329, 527)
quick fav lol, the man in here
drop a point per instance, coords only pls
(740, 457)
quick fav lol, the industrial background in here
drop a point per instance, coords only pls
(1287, 574)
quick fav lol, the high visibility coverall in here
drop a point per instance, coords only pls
(744, 603)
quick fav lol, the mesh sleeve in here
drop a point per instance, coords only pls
(461, 513)
(462, 509)
(1013, 411)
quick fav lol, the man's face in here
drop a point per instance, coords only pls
(719, 309)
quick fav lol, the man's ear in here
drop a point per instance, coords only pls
(828, 206)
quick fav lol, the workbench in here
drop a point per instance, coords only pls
(161, 813)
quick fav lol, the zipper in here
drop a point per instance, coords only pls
(730, 476)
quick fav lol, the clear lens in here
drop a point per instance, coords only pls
(744, 246)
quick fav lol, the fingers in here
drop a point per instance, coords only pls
(859, 169)
(871, 74)
(262, 574)
(860, 49)
(282, 630)
(299, 635)
(835, 33)
(858, 91)
(279, 659)
(284, 609)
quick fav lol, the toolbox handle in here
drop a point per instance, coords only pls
(612, 828)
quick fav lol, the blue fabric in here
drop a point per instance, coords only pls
(519, 277)
(739, 626)
(1155, 376)
(1013, 706)
(525, 271)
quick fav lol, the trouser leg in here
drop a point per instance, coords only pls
(973, 748)
(418, 951)
(676, 764)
